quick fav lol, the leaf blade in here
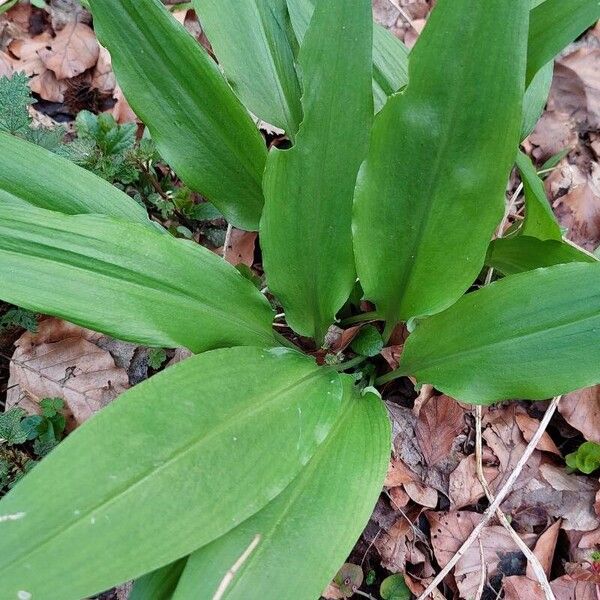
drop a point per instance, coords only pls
(309, 259)
(423, 173)
(59, 184)
(208, 446)
(531, 335)
(260, 65)
(126, 280)
(199, 126)
(346, 474)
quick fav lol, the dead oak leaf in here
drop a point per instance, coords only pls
(240, 249)
(465, 488)
(519, 587)
(73, 51)
(103, 78)
(544, 549)
(63, 360)
(581, 410)
(27, 55)
(567, 588)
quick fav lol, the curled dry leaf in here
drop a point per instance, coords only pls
(64, 360)
(581, 410)
(27, 53)
(121, 111)
(528, 426)
(567, 588)
(544, 550)
(73, 51)
(520, 587)
(240, 250)
(554, 132)
(48, 86)
(103, 78)
(465, 488)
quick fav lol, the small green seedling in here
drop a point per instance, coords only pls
(585, 459)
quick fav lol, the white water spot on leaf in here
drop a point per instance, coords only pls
(321, 432)
(23, 595)
(279, 351)
(93, 520)
(14, 517)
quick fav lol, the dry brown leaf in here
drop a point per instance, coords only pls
(103, 78)
(27, 53)
(48, 86)
(391, 355)
(421, 494)
(6, 65)
(439, 421)
(73, 51)
(241, 248)
(576, 86)
(566, 588)
(398, 497)
(554, 132)
(465, 488)
(581, 409)
(544, 549)
(63, 360)
(398, 474)
(121, 111)
(528, 426)
(519, 587)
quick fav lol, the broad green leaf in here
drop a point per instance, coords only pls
(173, 464)
(535, 99)
(368, 342)
(532, 335)
(307, 531)
(394, 588)
(306, 234)
(426, 204)
(127, 281)
(540, 221)
(553, 25)
(30, 175)
(585, 459)
(390, 55)
(160, 584)
(251, 41)
(524, 253)
(199, 126)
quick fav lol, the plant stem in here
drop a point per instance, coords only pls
(390, 376)
(354, 362)
(368, 316)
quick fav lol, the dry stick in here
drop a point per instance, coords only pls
(483, 572)
(531, 557)
(502, 493)
(227, 240)
(235, 568)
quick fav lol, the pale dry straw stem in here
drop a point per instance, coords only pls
(226, 581)
(502, 493)
(227, 240)
(483, 573)
(403, 13)
(529, 555)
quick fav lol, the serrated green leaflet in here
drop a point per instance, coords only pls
(302, 542)
(200, 128)
(128, 281)
(305, 230)
(532, 335)
(260, 64)
(416, 248)
(390, 55)
(553, 25)
(523, 253)
(58, 184)
(237, 424)
(540, 221)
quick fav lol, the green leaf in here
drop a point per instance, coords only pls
(259, 64)
(523, 253)
(51, 406)
(417, 249)
(307, 531)
(30, 175)
(15, 98)
(586, 459)
(308, 258)
(535, 99)
(532, 336)
(200, 128)
(390, 55)
(553, 25)
(127, 281)
(394, 588)
(368, 342)
(156, 358)
(171, 465)
(349, 578)
(11, 430)
(540, 221)
(160, 584)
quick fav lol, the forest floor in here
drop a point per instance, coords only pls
(450, 459)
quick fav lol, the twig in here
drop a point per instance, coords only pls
(531, 557)
(403, 13)
(227, 240)
(502, 493)
(483, 572)
(226, 581)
